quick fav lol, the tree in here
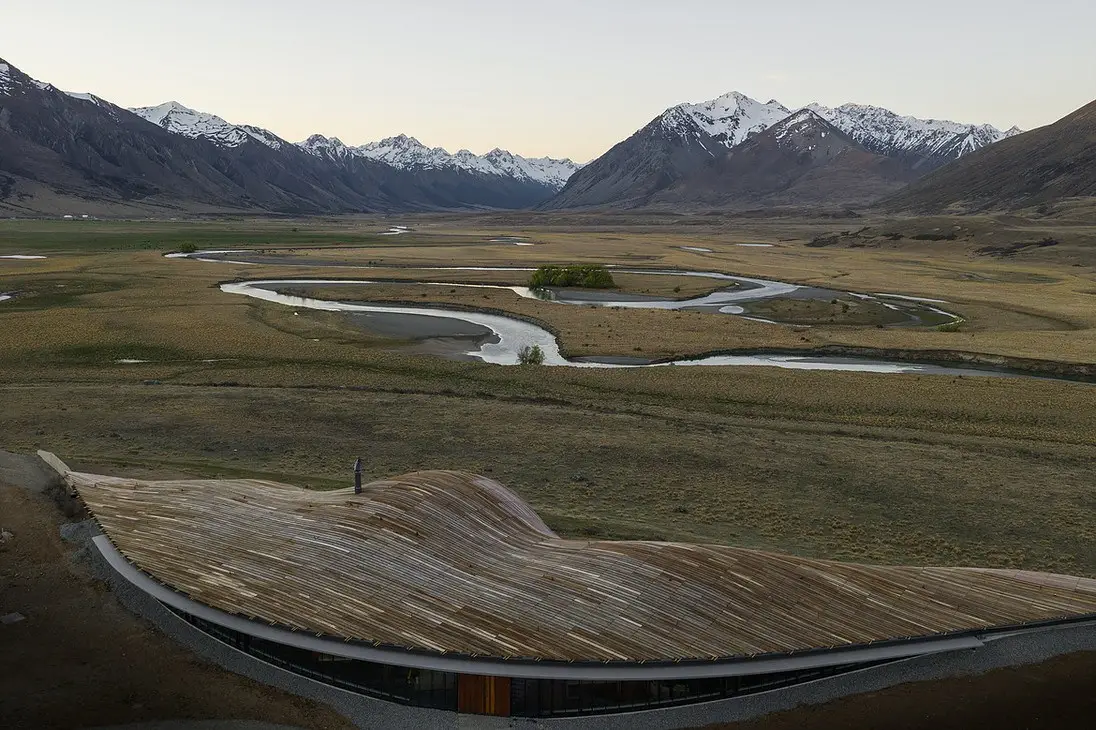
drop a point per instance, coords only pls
(531, 355)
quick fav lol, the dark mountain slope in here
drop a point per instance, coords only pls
(89, 149)
(1041, 166)
(803, 160)
(76, 153)
(673, 145)
(650, 160)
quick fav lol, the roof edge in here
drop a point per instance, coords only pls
(54, 462)
(519, 668)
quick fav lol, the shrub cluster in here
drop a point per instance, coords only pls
(934, 237)
(589, 277)
(531, 355)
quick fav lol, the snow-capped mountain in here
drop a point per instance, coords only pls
(13, 81)
(77, 153)
(733, 118)
(174, 117)
(729, 119)
(62, 152)
(883, 131)
(730, 150)
(672, 146)
(802, 160)
(546, 170)
(407, 153)
(331, 148)
(401, 152)
(684, 138)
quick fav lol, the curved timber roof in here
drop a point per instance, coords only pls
(453, 563)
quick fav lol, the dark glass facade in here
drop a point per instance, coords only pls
(528, 697)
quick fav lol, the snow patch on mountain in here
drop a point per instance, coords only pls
(884, 131)
(265, 136)
(96, 100)
(176, 118)
(330, 147)
(799, 122)
(7, 82)
(404, 153)
(542, 169)
(731, 119)
(407, 153)
(734, 117)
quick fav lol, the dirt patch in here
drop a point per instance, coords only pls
(78, 659)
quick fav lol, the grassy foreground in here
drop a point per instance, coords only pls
(855, 466)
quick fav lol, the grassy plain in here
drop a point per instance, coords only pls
(1039, 303)
(922, 469)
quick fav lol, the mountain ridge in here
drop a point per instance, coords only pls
(1036, 168)
(402, 151)
(78, 153)
(179, 119)
(801, 160)
(685, 138)
(63, 152)
(729, 151)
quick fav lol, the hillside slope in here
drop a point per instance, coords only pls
(1041, 166)
(673, 145)
(802, 160)
(74, 153)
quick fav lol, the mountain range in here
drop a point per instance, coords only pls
(401, 152)
(684, 155)
(64, 152)
(801, 161)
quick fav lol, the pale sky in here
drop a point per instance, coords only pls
(566, 78)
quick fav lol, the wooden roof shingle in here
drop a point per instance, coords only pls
(452, 562)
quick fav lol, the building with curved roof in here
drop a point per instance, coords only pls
(444, 589)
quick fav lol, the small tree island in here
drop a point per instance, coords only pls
(590, 276)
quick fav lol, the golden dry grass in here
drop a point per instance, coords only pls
(902, 474)
(874, 467)
(1029, 307)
